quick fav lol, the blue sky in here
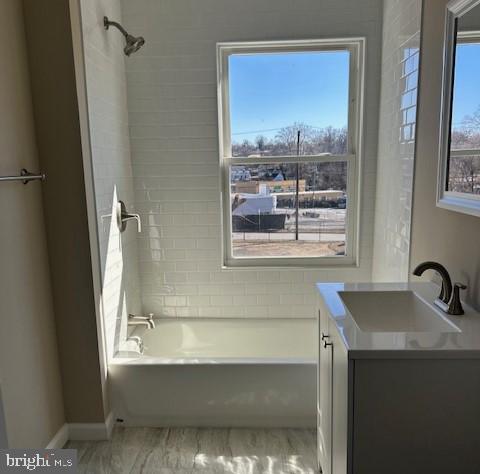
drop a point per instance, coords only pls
(467, 80)
(270, 91)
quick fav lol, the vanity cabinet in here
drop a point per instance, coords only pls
(380, 411)
(333, 389)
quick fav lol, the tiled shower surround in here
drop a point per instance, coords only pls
(112, 168)
(155, 145)
(172, 109)
(396, 145)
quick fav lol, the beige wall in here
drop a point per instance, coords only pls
(49, 41)
(437, 234)
(29, 369)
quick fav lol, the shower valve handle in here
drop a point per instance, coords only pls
(123, 217)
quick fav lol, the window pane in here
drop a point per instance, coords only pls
(264, 217)
(275, 95)
(464, 170)
(466, 98)
(464, 174)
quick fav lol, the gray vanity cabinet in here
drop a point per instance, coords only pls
(389, 414)
(420, 416)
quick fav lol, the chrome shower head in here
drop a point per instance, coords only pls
(134, 43)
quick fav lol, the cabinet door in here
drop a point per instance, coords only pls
(339, 382)
(324, 406)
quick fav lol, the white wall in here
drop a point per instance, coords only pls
(29, 368)
(396, 139)
(112, 168)
(174, 136)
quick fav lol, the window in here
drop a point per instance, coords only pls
(463, 178)
(289, 119)
(458, 183)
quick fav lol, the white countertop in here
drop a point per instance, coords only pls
(462, 344)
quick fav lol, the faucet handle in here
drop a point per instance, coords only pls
(123, 217)
(455, 307)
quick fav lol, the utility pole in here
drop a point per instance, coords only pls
(297, 187)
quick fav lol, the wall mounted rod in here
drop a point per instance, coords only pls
(24, 176)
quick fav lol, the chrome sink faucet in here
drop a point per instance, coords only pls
(134, 320)
(449, 298)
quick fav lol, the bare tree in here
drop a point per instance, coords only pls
(243, 149)
(287, 138)
(331, 140)
(261, 142)
(468, 134)
(471, 123)
(459, 139)
(464, 174)
(312, 141)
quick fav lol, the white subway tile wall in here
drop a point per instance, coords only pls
(112, 167)
(396, 142)
(172, 108)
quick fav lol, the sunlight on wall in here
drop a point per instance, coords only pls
(112, 168)
(113, 293)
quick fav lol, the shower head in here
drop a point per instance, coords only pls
(134, 43)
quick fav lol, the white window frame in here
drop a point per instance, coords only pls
(356, 48)
(454, 201)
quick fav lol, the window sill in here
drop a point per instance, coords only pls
(322, 263)
(458, 203)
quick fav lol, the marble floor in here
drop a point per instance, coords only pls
(199, 450)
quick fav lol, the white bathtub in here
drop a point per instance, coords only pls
(221, 372)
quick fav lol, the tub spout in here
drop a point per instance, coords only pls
(134, 320)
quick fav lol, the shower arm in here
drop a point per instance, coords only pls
(107, 23)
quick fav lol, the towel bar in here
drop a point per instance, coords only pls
(24, 176)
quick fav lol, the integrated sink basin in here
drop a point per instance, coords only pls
(394, 311)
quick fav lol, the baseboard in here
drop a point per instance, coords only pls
(226, 421)
(83, 432)
(60, 439)
(91, 431)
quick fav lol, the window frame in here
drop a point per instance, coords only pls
(464, 203)
(356, 48)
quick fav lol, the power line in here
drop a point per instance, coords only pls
(275, 129)
(258, 131)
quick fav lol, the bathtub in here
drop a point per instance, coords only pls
(219, 373)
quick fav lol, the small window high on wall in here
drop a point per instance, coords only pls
(290, 140)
